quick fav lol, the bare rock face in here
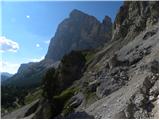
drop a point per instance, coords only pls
(78, 32)
(134, 17)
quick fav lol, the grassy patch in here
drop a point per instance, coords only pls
(90, 98)
(67, 109)
(89, 56)
(33, 96)
(61, 100)
(65, 95)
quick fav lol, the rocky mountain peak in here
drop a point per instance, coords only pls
(79, 32)
(107, 20)
(76, 13)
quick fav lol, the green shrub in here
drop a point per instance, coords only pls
(89, 56)
(67, 109)
(60, 100)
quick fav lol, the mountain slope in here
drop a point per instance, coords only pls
(29, 74)
(129, 92)
(120, 73)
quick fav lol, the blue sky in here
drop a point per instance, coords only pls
(27, 27)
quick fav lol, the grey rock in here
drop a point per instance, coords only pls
(79, 32)
(149, 34)
(154, 92)
(139, 99)
(80, 115)
(76, 100)
(141, 114)
(21, 112)
(93, 86)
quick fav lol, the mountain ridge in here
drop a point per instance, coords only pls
(5, 76)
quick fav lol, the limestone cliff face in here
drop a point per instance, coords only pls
(133, 17)
(78, 32)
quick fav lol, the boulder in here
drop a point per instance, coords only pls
(76, 100)
(93, 85)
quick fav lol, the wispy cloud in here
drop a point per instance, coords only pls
(47, 41)
(37, 45)
(8, 45)
(27, 16)
(9, 67)
(36, 59)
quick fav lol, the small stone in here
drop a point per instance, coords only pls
(104, 105)
(138, 100)
(151, 98)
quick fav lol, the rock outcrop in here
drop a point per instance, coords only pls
(134, 17)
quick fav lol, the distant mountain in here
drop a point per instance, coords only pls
(78, 32)
(5, 76)
(29, 74)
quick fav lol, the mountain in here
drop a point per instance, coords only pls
(117, 80)
(29, 74)
(5, 76)
(78, 32)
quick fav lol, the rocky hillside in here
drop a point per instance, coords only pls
(78, 32)
(120, 80)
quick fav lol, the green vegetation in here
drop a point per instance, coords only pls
(67, 109)
(33, 96)
(12, 97)
(57, 83)
(90, 98)
(70, 69)
(50, 84)
(89, 56)
(59, 101)
(65, 94)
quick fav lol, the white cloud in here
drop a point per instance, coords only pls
(37, 45)
(8, 45)
(37, 59)
(47, 41)
(27, 16)
(9, 67)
